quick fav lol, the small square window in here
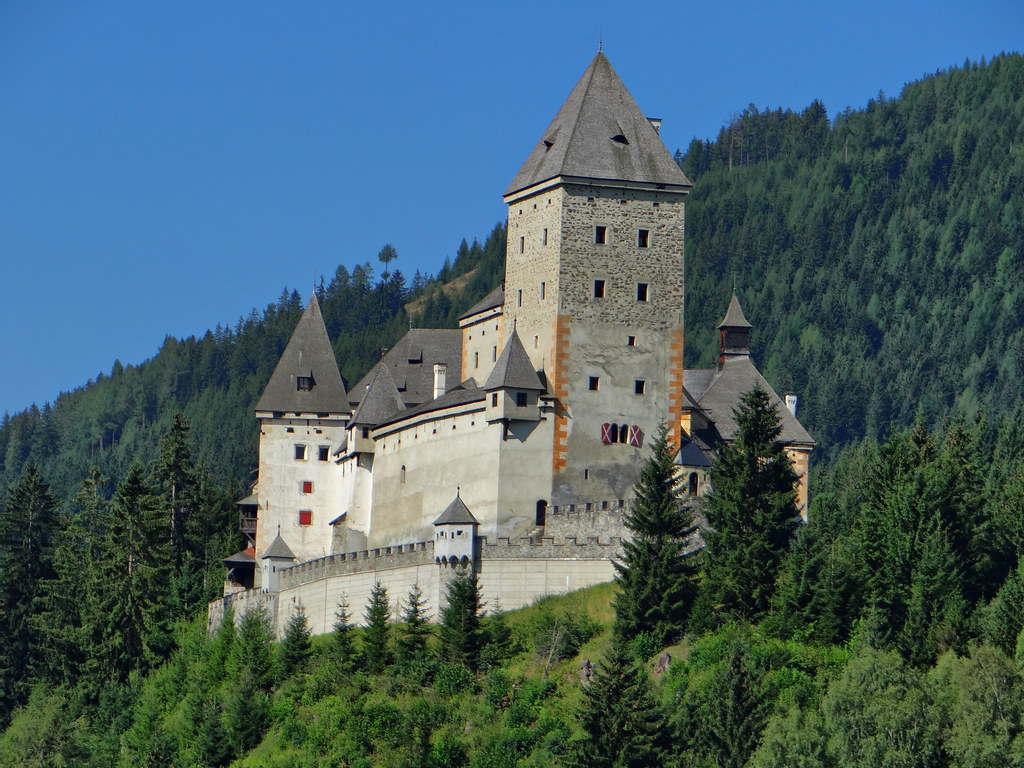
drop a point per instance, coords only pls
(641, 291)
(643, 238)
(599, 289)
(600, 235)
(366, 433)
(300, 453)
(639, 386)
(520, 399)
(307, 486)
(324, 453)
(304, 383)
(631, 341)
(594, 382)
(305, 517)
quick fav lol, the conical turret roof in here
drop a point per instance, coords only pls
(381, 401)
(600, 133)
(278, 550)
(306, 379)
(456, 513)
(734, 316)
(513, 369)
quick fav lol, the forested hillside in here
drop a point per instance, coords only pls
(880, 259)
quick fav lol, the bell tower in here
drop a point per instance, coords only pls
(594, 282)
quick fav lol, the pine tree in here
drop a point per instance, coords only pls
(622, 724)
(296, 648)
(460, 635)
(656, 576)
(377, 653)
(343, 635)
(27, 522)
(411, 645)
(751, 512)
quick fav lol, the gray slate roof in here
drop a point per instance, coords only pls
(600, 133)
(734, 316)
(457, 513)
(513, 369)
(466, 392)
(308, 353)
(411, 364)
(492, 300)
(278, 549)
(727, 386)
(381, 400)
(690, 454)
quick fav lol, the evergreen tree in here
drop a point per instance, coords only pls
(252, 653)
(656, 575)
(751, 512)
(460, 635)
(411, 645)
(295, 649)
(377, 653)
(27, 523)
(622, 724)
(343, 635)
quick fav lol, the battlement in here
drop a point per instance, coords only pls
(378, 559)
(601, 519)
(550, 548)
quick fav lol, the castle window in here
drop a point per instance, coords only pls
(586, 474)
(543, 290)
(594, 382)
(289, 430)
(305, 517)
(494, 399)
(643, 238)
(613, 433)
(476, 359)
(366, 433)
(520, 399)
(307, 486)
(324, 453)
(599, 289)
(641, 291)
(304, 383)
(522, 244)
(618, 138)
(402, 476)
(519, 298)
(631, 341)
(544, 237)
(494, 354)
(590, 199)
(692, 490)
(623, 433)
(600, 235)
(300, 453)
(638, 386)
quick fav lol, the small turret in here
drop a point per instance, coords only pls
(277, 557)
(455, 534)
(734, 334)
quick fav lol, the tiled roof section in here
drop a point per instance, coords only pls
(492, 300)
(600, 133)
(246, 557)
(513, 369)
(461, 394)
(737, 377)
(457, 513)
(411, 364)
(308, 354)
(381, 400)
(278, 549)
(734, 316)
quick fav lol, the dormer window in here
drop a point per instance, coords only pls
(304, 383)
(618, 138)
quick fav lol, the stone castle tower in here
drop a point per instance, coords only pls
(594, 282)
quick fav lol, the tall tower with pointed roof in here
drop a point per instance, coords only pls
(302, 415)
(594, 282)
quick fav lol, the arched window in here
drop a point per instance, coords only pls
(615, 433)
(542, 512)
(624, 433)
(693, 484)
(402, 479)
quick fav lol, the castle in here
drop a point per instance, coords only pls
(513, 442)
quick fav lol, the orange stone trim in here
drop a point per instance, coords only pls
(560, 389)
(675, 384)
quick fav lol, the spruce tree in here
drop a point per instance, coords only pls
(656, 576)
(343, 635)
(461, 636)
(751, 512)
(295, 648)
(411, 645)
(377, 653)
(622, 724)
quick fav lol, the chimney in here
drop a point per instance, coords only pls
(791, 403)
(440, 374)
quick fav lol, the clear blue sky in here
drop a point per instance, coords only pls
(165, 167)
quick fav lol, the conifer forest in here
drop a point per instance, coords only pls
(880, 259)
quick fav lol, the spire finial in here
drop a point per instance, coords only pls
(600, 39)
(458, 490)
